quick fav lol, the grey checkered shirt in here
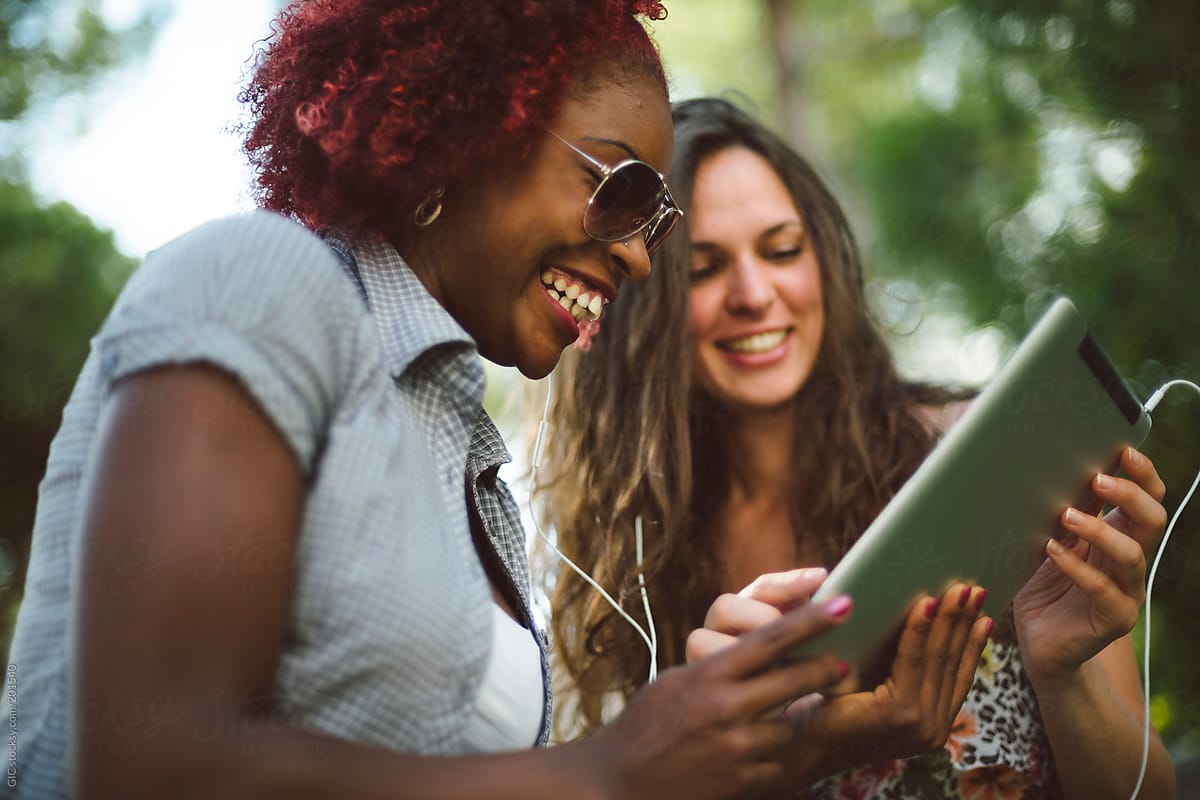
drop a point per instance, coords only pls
(390, 629)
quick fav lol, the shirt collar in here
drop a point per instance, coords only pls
(487, 451)
(412, 323)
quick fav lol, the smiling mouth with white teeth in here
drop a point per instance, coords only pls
(755, 343)
(584, 302)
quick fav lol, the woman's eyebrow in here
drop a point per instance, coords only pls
(782, 226)
(614, 143)
(766, 234)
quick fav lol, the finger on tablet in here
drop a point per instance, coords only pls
(1143, 472)
(980, 631)
(771, 645)
(1128, 495)
(947, 639)
(703, 642)
(735, 614)
(910, 650)
(969, 602)
(1145, 518)
(1125, 554)
(786, 590)
(1090, 580)
(931, 632)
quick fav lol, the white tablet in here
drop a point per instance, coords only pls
(982, 505)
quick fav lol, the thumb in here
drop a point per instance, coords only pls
(786, 590)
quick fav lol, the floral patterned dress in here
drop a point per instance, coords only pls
(997, 748)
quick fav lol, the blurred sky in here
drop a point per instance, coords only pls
(150, 153)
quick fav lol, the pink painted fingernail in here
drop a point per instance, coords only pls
(839, 606)
(962, 598)
(980, 598)
(991, 623)
(931, 607)
(843, 668)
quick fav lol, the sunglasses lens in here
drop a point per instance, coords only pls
(657, 231)
(623, 203)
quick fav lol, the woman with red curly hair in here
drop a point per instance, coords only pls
(272, 555)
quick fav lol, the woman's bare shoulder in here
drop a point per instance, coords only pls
(939, 418)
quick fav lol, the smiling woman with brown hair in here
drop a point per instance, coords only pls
(743, 409)
(272, 555)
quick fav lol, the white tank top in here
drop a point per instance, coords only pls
(508, 709)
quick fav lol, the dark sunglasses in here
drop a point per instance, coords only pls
(631, 197)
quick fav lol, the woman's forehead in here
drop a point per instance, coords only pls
(633, 111)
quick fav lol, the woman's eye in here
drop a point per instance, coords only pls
(701, 272)
(785, 253)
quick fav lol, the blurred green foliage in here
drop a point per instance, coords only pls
(53, 48)
(997, 153)
(58, 272)
(58, 276)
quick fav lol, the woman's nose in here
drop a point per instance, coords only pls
(630, 258)
(750, 289)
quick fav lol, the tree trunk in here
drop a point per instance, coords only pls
(788, 54)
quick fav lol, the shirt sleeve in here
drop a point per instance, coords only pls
(258, 296)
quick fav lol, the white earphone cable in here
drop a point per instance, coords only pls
(1151, 404)
(651, 638)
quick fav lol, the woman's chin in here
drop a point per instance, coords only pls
(540, 362)
(757, 395)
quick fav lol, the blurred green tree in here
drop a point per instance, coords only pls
(1056, 152)
(58, 272)
(994, 154)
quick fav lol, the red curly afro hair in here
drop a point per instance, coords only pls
(360, 107)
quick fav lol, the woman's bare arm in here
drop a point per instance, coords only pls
(177, 639)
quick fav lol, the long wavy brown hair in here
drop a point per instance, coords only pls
(632, 434)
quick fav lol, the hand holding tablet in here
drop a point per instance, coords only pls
(910, 712)
(984, 504)
(1089, 591)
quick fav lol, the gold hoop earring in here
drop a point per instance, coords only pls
(430, 208)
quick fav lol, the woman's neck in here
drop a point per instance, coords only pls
(757, 530)
(762, 454)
